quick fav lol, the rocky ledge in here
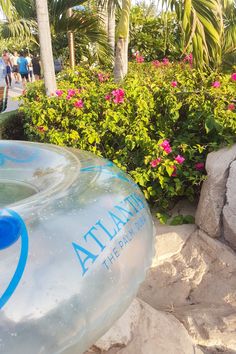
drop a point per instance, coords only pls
(187, 303)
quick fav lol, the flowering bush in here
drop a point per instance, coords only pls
(158, 125)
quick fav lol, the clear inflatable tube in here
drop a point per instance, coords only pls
(76, 238)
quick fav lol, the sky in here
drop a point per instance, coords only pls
(133, 2)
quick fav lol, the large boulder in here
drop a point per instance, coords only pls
(229, 210)
(144, 330)
(213, 193)
(193, 277)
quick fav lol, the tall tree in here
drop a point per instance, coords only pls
(21, 21)
(203, 27)
(121, 55)
(46, 46)
(107, 13)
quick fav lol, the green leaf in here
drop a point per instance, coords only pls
(177, 220)
(163, 217)
(188, 219)
(169, 170)
(209, 124)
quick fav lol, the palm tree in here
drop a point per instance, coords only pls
(202, 27)
(229, 39)
(121, 56)
(46, 46)
(82, 22)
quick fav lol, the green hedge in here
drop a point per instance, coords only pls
(11, 125)
(158, 125)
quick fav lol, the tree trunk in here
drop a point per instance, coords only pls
(46, 46)
(111, 25)
(71, 42)
(121, 57)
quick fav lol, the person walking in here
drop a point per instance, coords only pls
(36, 67)
(23, 68)
(7, 61)
(15, 68)
(29, 60)
(3, 86)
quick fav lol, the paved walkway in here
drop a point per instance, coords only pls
(13, 93)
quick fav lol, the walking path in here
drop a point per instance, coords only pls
(13, 93)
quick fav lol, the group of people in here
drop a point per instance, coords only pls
(21, 66)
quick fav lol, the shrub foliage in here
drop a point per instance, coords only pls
(158, 125)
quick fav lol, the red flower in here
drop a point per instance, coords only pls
(100, 77)
(155, 162)
(174, 83)
(199, 166)
(231, 107)
(139, 59)
(165, 61)
(71, 92)
(166, 146)
(79, 104)
(156, 63)
(118, 95)
(108, 97)
(179, 159)
(188, 59)
(215, 84)
(59, 93)
(233, 77)
(41, 129)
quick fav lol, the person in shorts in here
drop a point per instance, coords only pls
(23, 68)
(29, 59)
(3, 86)
(15, 68)
(36, 67)
(7, 61)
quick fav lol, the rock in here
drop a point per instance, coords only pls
(209, 211)
(196, 282)
(143, 330)
(229, 211)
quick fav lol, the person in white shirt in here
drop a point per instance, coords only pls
(29, 60)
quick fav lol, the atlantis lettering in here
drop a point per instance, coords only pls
(106, 229)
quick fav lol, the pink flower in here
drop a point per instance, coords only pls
(59, 93)
(79, 104)
(174, 173)
(71, 92)
(179, 159)
(199, 166)
(231, 107)
(107, 97)
(166, 146)
(174, 83)
(188, 58)
(118, 95)
(68, 97)
(139, 59)
(215, 84)
(165, 61)
(100, 77)
(156, 63)
(233, 77)
(154, 163)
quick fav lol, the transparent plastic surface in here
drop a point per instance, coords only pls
(76, 238)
